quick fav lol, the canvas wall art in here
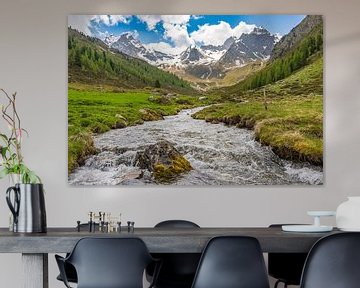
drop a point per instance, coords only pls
(195, 100)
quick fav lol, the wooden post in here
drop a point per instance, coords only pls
(265, 101)
(35, 270)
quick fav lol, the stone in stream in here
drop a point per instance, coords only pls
(163, 160)
(150, 115)
(121, 122)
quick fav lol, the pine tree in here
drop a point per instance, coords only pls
(157, 84)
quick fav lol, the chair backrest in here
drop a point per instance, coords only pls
(333, 262)
(286, 266)
(176, 224)
(177, 268)
(232, 262)
(110, 262)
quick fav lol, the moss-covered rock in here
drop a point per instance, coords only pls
(150, 115)
(168, 173)
(164, 161)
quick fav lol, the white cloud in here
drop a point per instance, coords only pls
(110, 20)
(196, 17)
(83, 22)
(152, 20)
(212, 34)
(80, 23)
(216, 34)
(242, 28)
(175, 29)
(178, 34)
(165, 48)
(176, 19)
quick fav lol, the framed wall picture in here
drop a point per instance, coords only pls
(195, 99)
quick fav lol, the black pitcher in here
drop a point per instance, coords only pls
(28, 208)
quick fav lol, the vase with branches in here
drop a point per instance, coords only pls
(11, 158)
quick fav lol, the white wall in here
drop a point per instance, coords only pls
(33, 62)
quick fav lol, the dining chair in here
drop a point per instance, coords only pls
(232, 262)
(178, 269)
(70, 271)
(333, 262)
(286, 267)
(108, 263)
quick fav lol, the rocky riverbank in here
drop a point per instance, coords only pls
(196, 153)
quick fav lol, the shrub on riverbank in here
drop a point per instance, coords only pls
(80, 146)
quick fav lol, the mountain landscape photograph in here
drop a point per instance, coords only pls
(195, 100)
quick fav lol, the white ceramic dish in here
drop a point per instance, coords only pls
(321, 213)
(306, 228)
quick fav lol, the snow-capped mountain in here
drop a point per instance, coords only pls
(216, 52)
(193, 55)
(110, 39)
(206, 59)
(128, 44)
(256, 45)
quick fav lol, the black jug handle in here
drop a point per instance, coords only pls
(13, 208)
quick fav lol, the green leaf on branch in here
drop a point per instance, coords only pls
(3, 151)
(26, 132)
(28, 176)
(4, 137)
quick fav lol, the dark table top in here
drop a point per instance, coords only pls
(158, 240)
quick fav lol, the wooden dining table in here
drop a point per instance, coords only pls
(35, 247)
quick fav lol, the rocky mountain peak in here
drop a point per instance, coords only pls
(260, 31)
(228, 42)
(202, 60)
(296, 35)
(191, 54)
(110, 39)
(256, 45)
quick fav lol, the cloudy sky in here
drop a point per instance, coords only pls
(174, 33)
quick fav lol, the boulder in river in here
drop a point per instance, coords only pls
(163, 160)
(121, 122)
(150, 115)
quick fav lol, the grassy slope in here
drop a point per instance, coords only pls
(91, 62)
(231, 77)
(293, 123)
(299, 56)
(236, 75)
(97, 112)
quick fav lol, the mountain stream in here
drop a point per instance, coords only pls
(219, 154)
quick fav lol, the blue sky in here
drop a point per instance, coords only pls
(173, 33)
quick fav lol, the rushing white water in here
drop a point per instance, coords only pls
(219, 154)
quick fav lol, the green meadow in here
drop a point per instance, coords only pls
(286, 115)
(93, 111)
(289, 118)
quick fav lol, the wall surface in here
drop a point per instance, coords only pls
(33, 62)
